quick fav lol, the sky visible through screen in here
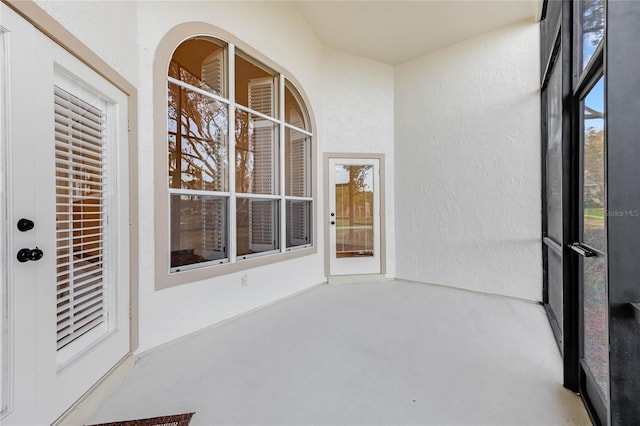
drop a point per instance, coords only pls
(595, 101)
(589, 45)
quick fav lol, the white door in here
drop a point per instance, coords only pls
(354, 216)
(67, 275)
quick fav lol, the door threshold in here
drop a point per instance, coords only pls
(341, 279)
(88, 403)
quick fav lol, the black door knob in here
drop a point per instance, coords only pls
(25, 225)
(25, 254)
(36, 254)
(333, 222)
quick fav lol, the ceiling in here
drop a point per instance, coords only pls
(396, 31)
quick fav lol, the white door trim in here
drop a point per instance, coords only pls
(44, 22)
(326, 217)
(36, 17)
(5, 314)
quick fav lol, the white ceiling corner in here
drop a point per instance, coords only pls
(396, 31)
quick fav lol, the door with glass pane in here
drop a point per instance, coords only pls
(67, 225)
(354, 216)
(592, 250)
(600, 55)
(591, 193)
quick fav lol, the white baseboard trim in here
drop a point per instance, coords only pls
(342, 279)
(79, 412)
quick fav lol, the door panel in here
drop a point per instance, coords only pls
(4, 311)
(67, 172)
(554, 228)
(601, 295)
(592, 247)
(354, 188)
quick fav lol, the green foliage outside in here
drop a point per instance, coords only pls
(594, 213)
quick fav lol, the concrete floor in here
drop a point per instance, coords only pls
(384, 353)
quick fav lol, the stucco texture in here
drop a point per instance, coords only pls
(459, 129)
(467, 157)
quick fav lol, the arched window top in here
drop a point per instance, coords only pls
(295, 112)
(204, 62)
(237, 191)
(200, 62)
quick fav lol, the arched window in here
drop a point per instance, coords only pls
(239, 150)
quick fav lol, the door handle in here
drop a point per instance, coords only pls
(25, 225)
(333, 222)
(582, 250)
(25, 255)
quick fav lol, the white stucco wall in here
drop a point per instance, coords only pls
(358, 118)
(93, 23)
(276, 30)
(467, 150)
(459, 130)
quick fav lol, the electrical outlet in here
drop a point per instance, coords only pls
(244, 281)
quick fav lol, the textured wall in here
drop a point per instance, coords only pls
(93, 23)
(358, 118)
(468, 165)
(464, 207)
(276, 30)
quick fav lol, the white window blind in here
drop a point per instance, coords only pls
(213, 226)
(298, 158)
(262, 228)
(297, 211)
(80, 216)
(213, 72)
(262, 138)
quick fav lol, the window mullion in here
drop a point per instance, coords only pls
(229, 207)
(232, 152)
(298, 129)
(283, 203)
(197, 90)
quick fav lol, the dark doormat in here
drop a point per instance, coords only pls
(177, 420)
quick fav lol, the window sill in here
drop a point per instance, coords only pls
(164, 279)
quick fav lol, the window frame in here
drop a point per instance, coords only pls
(164, 277)
(614, 58)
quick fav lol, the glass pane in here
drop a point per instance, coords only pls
(593, 156)
(256, 86)
(354, 210)
(257, 226)
(298, 223)
(82, 230)
(198, 147)
(257, 154)
(198, 229)
(554, 285)
(596, 336)
(297, 169)
(592, 27)
(294, 111)
(201, 62)
(554, 154)
(594, 274)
